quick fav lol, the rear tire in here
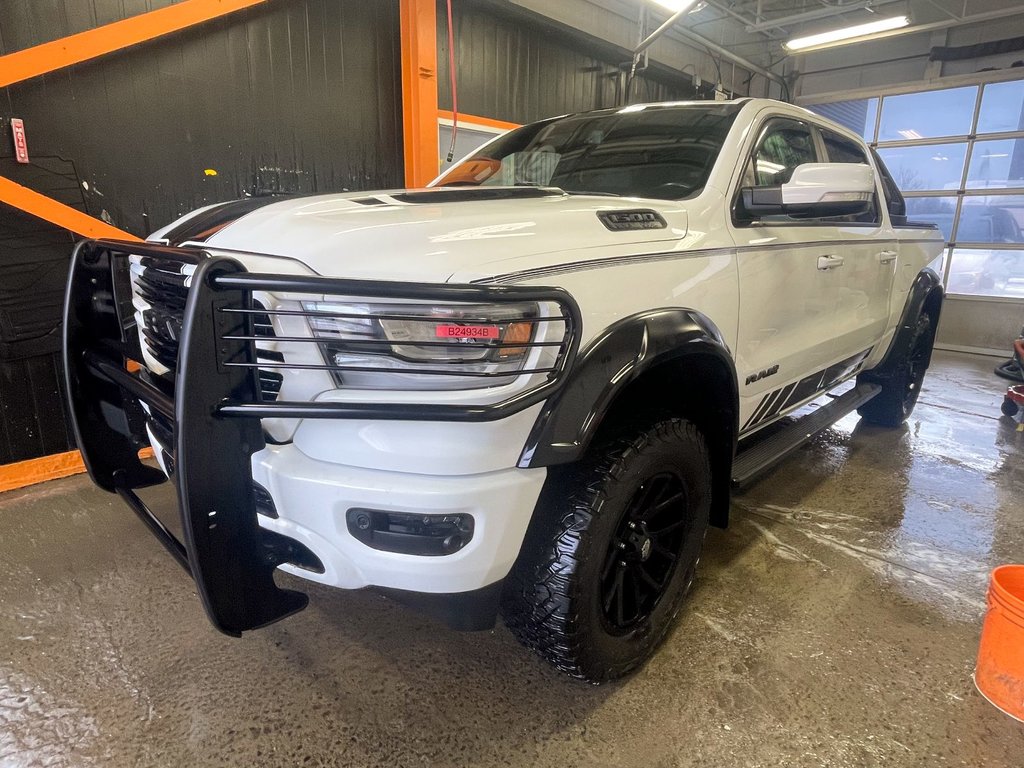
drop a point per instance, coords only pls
(612, 551)
(1009, 408)
(900, 390)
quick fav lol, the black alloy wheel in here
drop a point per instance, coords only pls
(917, 363)
(612, 551)
(644, 552)
(901, 387)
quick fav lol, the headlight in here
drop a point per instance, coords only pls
(430, 346)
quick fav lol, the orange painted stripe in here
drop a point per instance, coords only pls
(488, 122)
(21, 474)
(74, 49)
(62, 215)
(419, 90)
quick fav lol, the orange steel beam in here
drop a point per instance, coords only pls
(419, 90)
(47, 208)
(74, 49)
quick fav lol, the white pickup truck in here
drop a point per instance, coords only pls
(522, 388)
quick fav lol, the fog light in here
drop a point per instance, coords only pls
(410, 534)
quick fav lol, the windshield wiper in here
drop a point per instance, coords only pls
(566, 191)
(584, 192)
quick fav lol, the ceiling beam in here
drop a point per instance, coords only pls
(666, 25)
(943, 9)
(725, 53)
(742, 18)
(819, 13)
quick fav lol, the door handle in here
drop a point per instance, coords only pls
(887, 257)
(830, 262)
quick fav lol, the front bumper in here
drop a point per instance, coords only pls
(218, 445)
(312, 499)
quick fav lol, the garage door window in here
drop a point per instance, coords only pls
(997, 164)
(940, 211)
(957, 155)
(934, 167)
(859, 115)
(927, 114)
(1002, 108)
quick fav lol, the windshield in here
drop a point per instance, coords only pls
(663, 152)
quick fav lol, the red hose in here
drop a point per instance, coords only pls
(454, 83)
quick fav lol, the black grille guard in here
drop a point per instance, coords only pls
(215, 407)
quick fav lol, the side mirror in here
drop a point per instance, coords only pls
(815, 190)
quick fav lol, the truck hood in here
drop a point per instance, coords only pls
(430, 235)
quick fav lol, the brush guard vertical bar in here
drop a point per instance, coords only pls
(231, 559)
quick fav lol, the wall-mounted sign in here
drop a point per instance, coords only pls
(20, 145)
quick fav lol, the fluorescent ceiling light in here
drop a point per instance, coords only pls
(847, 34)
(675, 5)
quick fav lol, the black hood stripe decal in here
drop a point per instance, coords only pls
(209, 222)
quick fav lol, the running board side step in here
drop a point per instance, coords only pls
(762, 455)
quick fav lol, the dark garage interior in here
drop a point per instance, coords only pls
(846, 614)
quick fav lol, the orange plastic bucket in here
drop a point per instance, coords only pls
(1000, 671)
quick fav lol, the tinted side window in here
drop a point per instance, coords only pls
(843, 150)
(784, 145)
(893, 197)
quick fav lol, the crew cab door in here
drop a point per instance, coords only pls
(870, 252)
(790, 276)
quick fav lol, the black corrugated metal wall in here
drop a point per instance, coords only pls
(296, 96)
(512, 66)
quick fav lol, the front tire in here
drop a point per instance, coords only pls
(612, 552)
(900, 390)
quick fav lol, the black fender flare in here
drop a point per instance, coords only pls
(925, 292)
(622, 354)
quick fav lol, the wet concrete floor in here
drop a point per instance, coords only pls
(834, 624)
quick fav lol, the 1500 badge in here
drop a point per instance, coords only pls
(762, 374)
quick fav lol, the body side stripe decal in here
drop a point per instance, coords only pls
(577, 266)
(757, 410)
(765, 406)
(781, 403)
(806, 388)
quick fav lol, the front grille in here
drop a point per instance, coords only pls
(270, 381)
(161, 290)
